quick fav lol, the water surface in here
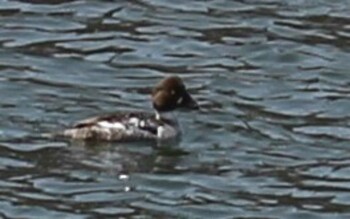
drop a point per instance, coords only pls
(271, 139)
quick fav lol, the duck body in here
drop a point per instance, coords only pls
(124, 126)
(168, 95)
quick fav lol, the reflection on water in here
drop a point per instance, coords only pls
(270, 141)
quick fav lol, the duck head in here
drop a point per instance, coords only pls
(170, 94)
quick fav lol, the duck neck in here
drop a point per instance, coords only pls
(166, 115)
(158, 117)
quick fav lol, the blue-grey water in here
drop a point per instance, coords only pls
(271, 139)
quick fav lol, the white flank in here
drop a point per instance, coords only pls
(160, 131)
(111, 125)
(142, 124)
(134, 121)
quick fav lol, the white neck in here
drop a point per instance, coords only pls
(166, 115)
(157, 115)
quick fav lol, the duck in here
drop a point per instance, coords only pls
(161, 124)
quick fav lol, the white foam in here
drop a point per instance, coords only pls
(123, 177)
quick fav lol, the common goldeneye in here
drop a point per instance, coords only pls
(168, 95)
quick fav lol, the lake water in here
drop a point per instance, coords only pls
(271, 139)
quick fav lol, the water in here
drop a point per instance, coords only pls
(271, 140)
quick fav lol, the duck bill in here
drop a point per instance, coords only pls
(188, 102)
